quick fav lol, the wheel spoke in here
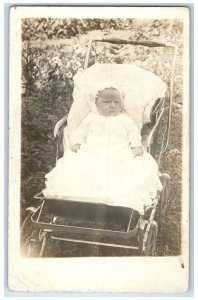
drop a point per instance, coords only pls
(45, 235)
(150, 248)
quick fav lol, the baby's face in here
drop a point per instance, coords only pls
(109, 102)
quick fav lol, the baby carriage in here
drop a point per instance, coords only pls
(79, 221)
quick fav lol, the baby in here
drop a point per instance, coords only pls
(106, 162)
(108, 103)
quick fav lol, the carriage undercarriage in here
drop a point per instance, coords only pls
(136, 233)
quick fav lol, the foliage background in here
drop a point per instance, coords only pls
(53, 50)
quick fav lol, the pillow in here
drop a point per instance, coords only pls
(139, 88)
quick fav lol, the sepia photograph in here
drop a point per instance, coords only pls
(100, 156)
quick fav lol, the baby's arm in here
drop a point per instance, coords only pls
(78, 137)
(135, 139)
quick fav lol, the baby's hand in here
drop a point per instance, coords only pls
(75, 147)
(137, 151)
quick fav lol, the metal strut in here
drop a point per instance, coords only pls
(171, 99)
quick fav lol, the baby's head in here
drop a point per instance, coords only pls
(108, 102)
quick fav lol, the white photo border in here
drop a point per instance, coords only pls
(132, 293)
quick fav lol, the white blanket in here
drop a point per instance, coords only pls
(105, 169)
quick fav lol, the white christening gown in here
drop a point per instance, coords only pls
(105, 170)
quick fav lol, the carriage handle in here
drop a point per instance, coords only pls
(115, 40)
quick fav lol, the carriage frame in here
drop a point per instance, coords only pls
(140, 232)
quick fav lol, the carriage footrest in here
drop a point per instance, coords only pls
(94, 243)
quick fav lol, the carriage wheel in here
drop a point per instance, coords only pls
(164, 197)
(151, 243)
(33, 241)
(43, 237)
(140, 240)
(28, 236)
